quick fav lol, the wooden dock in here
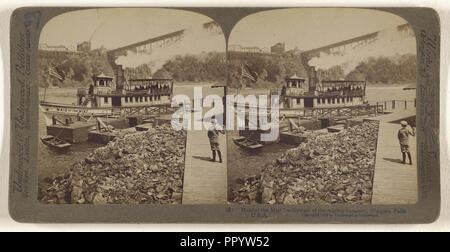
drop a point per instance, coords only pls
(205, 182)
(394, 182)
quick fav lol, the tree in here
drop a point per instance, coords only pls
(398, 69)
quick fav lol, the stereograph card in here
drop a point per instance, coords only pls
(224, 115)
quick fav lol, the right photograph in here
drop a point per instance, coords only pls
(344, 82)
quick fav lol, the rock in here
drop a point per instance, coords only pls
(350, 198)
(268, 183)
(77, 193)
(267, 195)
(90, 159)
(154, 168)
(81, 201)
(176, 196)
(130, 186)
(289, 200)
(61, 195)
(367, 198)
(252, 196)
(161, 195)
(99, 199)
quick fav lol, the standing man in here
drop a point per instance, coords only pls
(213, 135)
(403, 138)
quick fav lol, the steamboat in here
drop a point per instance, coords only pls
(308, 93)
(104, 98)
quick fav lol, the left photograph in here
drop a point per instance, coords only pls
(107, 78)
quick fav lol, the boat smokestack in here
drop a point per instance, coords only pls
(312, 78)
(120, 77)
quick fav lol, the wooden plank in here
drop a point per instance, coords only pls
(100, 121)
(293, 123)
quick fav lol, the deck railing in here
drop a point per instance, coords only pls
(395, 105)
(332, 111)
(81, 91)
(344, 111)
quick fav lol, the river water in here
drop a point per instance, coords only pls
(53, 162)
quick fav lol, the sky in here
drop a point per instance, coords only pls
(309, 28)
(116, 27)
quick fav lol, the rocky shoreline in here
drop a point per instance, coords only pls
(333, 168)
(139, 168)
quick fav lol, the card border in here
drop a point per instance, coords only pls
(28, 22)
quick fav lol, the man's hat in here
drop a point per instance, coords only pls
(404, 123)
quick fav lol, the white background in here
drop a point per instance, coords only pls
(7, 224)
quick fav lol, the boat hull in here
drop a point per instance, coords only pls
(73, 110)
(247, 144)
(54, 109)
(55, 143)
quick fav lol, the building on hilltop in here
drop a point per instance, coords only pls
(277, 48)
(235, 48)
(246, 49)
(84, 46)
(59, 48)
(252, 49)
